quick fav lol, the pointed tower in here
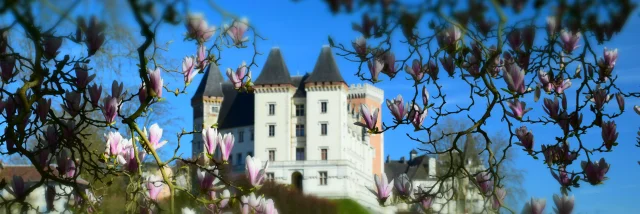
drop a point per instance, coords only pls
(206, 104)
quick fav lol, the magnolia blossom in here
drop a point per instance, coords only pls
(417, 116)
(528, 35)
(154, 135)
(564, 204)
(600, 97)
(52, 138)
(51, 46)
(7, 66)
(18, 187)
(129, 156)
(545, 83)
(142, 93)
(42, 110)
(82, 75)
(448, 64)
(236, 78)
(534, 206)
(360, 45)
(425, 203)
(116, 89)
(206, 179)
(114, 144)
(518, 109)
(72, 102)
(198, 29)
(620, 100)
(595, 171)
(389, 64)
(226, 145)
(154, 186)
(514, 77)
(383, 189)
(211, 139)
(637, 109)
(473, 66)
(498, 198)
(370, 119)
(415, 70)
(515, 40)
(66, 164)
(95, 92)
(526, 138)
(156, 82)
(255, 174)
(551, 25)
(570, 40)
(425, 97)
(375, 67)
(552, 107)
(608, 61)
(249, 201)
(562, 177)
(110, 109)
(484, 182)
(95, 35)
(225, 195)
(609, 134)
(403, 185)
(267, 207)
(187, 210)
(237, 30)
(188, 65)
(448, 38)
(201, 60)
(397, 107)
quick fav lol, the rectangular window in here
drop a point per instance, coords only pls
(214, 109)
(323, 107)
(272, 155)
(323, 154)
(239, 157)
(272, 109)
(270, 176)
(300, 110)
(300, 130)
(323, 129)
(251, 134)
(240, 136)
(272, 130)
(323, 178)
(299, 154)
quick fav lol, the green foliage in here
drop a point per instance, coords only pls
(349, 206)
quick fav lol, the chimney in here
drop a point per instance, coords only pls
(413, 154)
(402, 159)
(388, 159)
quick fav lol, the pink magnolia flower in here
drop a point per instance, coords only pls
(116, 89)
(403, 185)
(389, 64)
(448, 64)
(155, 134)
(360, 46)
(52, 138)
(51, 45)
(637, 109)
(595, 171)
(114, 144)
(551, 25)
(154, 186)
(236, 77)
(142, 93)
(498, 198)
(237, 30)
(370, 119)
(609, 59)
(415, 70)
(43, 109)
(484, 182)
(110, 109)
(211, 139)
(188, 65)
(425, 203)
(72, 103)
(609, 134)
(528, 36)
(448, 39)
(82, 75)
(226, 145)
(515, 39)
(66, 164)
(397, 107)
(268, 207)
(518, 109)
(156, 81)
(552, 107)
(7, 66)
(129, 155)
(201, 57)
(95, 92)
(562, 178)
(383, 189)
(620, 100)
(198, 28)
(514, 77)
(375, 67)
(69, 129)
(95, 35)
(526, 138)
(18, 187)
(43, 157)
(250, 201)
(564, 204)
(575, 120)
(432, 70)
(255, 174)
(561, 84)
(545, 83)
(473, 66)
(225, 196)
(425, 97)
(417, 116)
(206, 179)
(534, 206)
(570, 40)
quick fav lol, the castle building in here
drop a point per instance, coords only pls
(304, 126)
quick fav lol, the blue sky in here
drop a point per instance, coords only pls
(301, 29)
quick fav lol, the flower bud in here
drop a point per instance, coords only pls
(51, 45)
(609, 134)
(620, 99)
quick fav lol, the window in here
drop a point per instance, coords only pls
(214, 109)
(272, 155)
(251, 134)
(272, 109)
(323, 107)
(270, 176)
(299, 154)
(272, 130)
(323, 129)
(299, 130)
(323, 178)
(239, 157)
(240, 136)
(300, 110)
(323, 154)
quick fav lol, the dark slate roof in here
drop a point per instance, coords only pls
(236, 109)
(326, 69)
(416, 168)
(413, 151)
(297, 82)
(210, 85)
(275, 71)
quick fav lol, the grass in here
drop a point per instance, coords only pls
(349, 206)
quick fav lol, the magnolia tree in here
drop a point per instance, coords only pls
(510, 54)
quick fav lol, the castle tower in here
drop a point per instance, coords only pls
(373, 98)
(272, 109)
(206, 104)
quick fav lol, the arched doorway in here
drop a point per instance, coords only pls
(296, 181)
